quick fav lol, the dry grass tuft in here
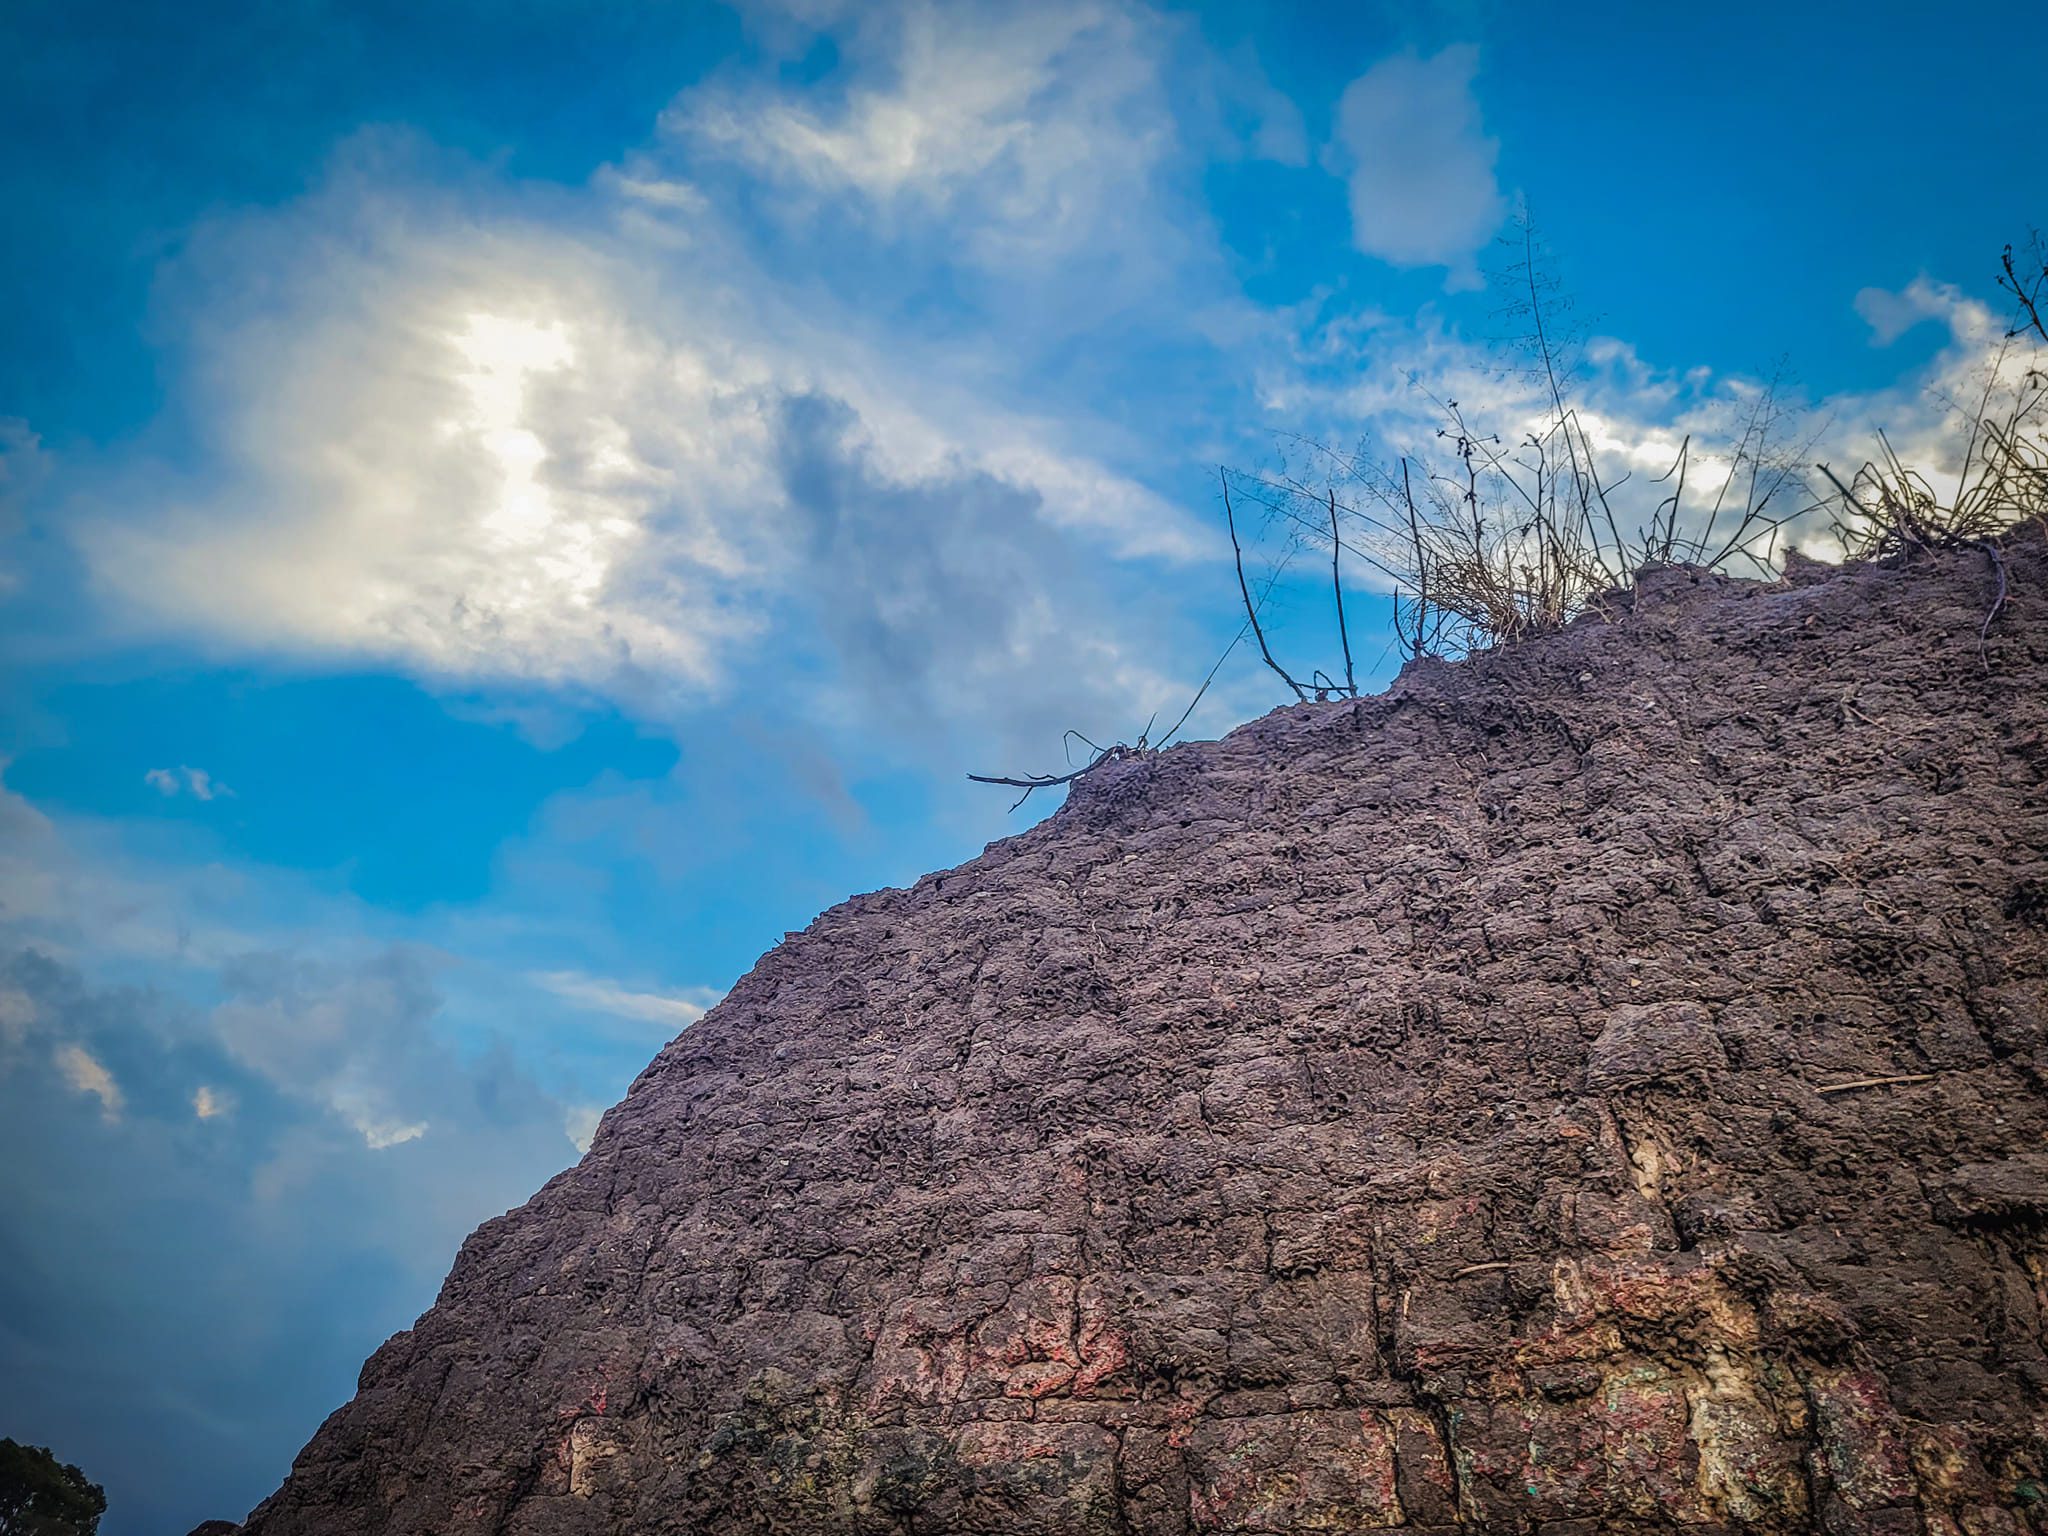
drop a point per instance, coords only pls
(1890, 510)
(1489, 539)
(1500, 533)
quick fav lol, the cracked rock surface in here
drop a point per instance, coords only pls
(1594, 1087)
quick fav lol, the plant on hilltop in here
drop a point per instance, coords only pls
(1888, 509)
(1510, 526)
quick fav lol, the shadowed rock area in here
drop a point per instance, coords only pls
(1592, 1087)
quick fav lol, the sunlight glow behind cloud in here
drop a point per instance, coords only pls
(518, 460)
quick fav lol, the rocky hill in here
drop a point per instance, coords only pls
(1592, 1087)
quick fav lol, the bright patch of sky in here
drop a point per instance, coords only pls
(505, 512)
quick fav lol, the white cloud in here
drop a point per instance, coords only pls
(211, 1103)
(196, 782)
(1411, 140)
(354, 1038)
(377, 1129)
(579, 1124)
(995, 117)
(670, 1010)
(475, 500)
(87, 1074)
(1891, 314)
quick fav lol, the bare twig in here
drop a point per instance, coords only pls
(1244, 589)
(1420, 559)
(1167, 739)
(1337, 583)
(1990, 547)
(2027, 291)
(1031, 782)
(1035, 781)
(1877, 1082)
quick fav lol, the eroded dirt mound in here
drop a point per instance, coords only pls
(1593, 1088)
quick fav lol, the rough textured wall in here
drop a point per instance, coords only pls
(1592, 1088)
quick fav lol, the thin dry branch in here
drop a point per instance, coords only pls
(1337, 585)
(1030, 783)
(1244, 589)
(1990, 547)
(1876, 1082)
(2026, 292)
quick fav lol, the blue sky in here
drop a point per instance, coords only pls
(507, 509)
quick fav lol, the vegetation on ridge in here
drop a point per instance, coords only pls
(1501, 532)
(1506, 531)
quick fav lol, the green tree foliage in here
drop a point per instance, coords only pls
(41, 1496)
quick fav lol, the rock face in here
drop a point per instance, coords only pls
(1594, 1087)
